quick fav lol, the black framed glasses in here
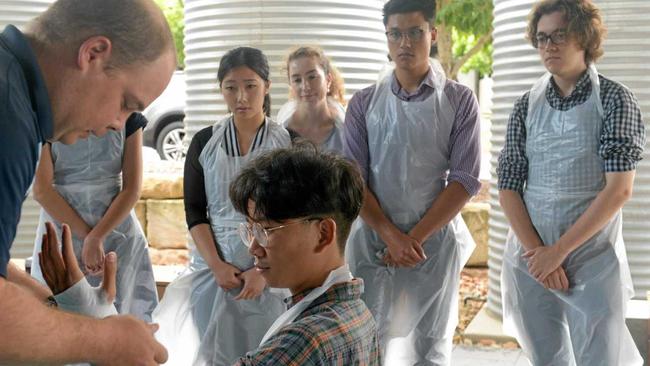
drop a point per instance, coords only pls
(557, 37)
(413, 34)
(248, 231)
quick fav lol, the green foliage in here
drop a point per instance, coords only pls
(469, 20)
(173, 10)
(480, 61)
(468, 16)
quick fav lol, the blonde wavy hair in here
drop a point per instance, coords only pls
(337, 88)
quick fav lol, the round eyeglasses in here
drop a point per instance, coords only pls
(248, 231)
(557, 37)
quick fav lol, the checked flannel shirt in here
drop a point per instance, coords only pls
(336, 329)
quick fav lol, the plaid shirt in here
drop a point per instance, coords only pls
(336, 329)
(621, 141)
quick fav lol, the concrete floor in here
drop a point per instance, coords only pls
(477, 356)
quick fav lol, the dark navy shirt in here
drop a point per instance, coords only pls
(25, 123)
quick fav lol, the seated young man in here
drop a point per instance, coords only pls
(299, 205)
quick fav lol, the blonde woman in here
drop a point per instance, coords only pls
(315, 111)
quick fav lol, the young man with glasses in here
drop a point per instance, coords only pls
(415, 136)
(300, 205)
(572, 146)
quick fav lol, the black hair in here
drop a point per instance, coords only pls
(426, 7)
(299, 182)
(252, 58)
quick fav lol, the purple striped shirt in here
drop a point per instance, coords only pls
(465, 144)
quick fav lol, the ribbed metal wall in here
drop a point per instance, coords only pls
(350, 32)
(517, 66)
(18, 13)
(627, 51)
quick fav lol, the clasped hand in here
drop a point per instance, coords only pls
(403, 251)
(545, 265)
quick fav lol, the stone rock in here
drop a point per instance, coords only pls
(140, 209)
(483, 194)
(476, 216)
(487, 342)
(166, 227)
(167, 257)
(162, 186)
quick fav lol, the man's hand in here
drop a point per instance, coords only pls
(61, 270)
(131, 342)
(226, 276)
(92, 255)
(254, 284)
(403, 251)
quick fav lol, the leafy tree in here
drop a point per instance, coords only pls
(465, 35)
(173, 10)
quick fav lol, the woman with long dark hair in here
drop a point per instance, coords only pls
(222, 304)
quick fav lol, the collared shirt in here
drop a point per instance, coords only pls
(336, 329)
(622, 138)
(464, 144)
(25, 122)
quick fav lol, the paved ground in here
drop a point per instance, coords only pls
(474, 356)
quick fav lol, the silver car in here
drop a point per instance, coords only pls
(165, 130)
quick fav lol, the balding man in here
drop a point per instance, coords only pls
(82, 67)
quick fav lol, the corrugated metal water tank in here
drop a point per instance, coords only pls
(18, 13)
(517, 66)
(627, 51)
(350, 32)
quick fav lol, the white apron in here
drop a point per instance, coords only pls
(585, 326)
(409, 160)
(334, 142)
(88, 174)
(199, 320)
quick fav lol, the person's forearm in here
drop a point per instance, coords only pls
(373, 215)
(116, 213)
(21, 278)
(57, 207)
(602, 209)
(444, 208)
(205, 243)
(123, 203)
(515, 210)
(51, 200)
(33, 333)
